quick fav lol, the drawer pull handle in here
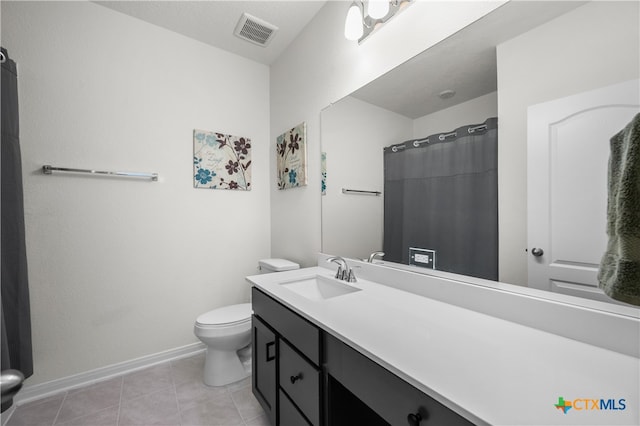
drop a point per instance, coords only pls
(269, 346)
(296, 378)
(414, 419)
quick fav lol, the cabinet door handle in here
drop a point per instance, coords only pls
(269, 346)
(414, 419)
(296, 378)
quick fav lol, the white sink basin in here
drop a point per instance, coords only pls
(319, 287)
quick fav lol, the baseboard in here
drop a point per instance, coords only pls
(41, 390)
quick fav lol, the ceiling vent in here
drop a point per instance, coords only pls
(255, 30)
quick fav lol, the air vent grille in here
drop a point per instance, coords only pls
(255, 30)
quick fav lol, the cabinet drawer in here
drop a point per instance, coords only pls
(289, 414)
(301, 382)
(291, 326)
(385, 393)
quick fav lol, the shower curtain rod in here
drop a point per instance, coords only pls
(442, 136)
(48, 169)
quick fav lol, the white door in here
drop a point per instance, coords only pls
(568, 154)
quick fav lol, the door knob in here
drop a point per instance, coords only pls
(10, 384)
(537, 252)
(11, 381)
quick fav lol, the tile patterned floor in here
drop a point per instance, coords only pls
(169, 394)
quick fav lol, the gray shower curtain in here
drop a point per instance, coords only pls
(442, 195)
(16, 319)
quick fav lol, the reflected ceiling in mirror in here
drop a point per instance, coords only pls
(464, 62)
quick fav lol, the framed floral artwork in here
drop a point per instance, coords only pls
(291, 152)
(323, 173)
(221, 161)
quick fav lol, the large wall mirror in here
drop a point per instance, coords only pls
(505, 65)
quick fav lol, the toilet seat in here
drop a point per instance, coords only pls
(226, 316)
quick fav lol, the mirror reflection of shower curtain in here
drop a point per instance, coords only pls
(16, 318)
(443, 196)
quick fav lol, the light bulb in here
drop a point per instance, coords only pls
(378, 8)
(353, 24)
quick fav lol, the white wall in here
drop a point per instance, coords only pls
(593, 46)
(118, 268)
(353, 135)
(474, 111)
(321, 67)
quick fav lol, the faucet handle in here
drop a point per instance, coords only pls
(351, 276)
(340, 273)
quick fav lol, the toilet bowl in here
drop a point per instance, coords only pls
(227, 333)
(224, 331)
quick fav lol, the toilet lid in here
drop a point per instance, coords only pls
(226, 315)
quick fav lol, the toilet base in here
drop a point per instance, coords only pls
(222, 368)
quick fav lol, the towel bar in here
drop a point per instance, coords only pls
(358, 191)
(48, 169)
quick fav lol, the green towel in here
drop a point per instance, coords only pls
(619, 274)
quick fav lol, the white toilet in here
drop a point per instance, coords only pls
(227, 330)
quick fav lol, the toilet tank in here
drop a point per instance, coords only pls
(267, 266)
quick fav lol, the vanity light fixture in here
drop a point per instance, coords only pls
(365, 16)
(377, 8)
(353, 25)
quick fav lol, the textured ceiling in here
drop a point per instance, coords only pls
(464, 62)
(213, 22)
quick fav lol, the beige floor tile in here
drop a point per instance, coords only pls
(158, 408)
(37, 413)
(219, 411)
(146, 381)
(91, 399)
(106, 417)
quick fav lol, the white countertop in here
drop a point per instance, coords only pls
(489, 370)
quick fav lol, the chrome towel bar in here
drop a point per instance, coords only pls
(358, 191)
(48, 169)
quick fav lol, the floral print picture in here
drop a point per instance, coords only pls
(323, 173)
(291, 151)
(221, 161)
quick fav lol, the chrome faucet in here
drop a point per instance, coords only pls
(374, 255)
(344, 273)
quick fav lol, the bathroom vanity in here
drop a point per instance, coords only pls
(299, 369)
(326, 352)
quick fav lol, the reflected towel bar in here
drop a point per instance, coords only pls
(47, 169)
(357, 191)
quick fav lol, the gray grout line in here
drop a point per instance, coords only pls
(55, 419)
(120, 400)
(175, 391)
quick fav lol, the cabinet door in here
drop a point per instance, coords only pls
(264, 367)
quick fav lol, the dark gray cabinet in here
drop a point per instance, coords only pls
(393, 400)
(294, 375)
(316, 379)
(300, 380)
(264, 366)
(289, 414)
